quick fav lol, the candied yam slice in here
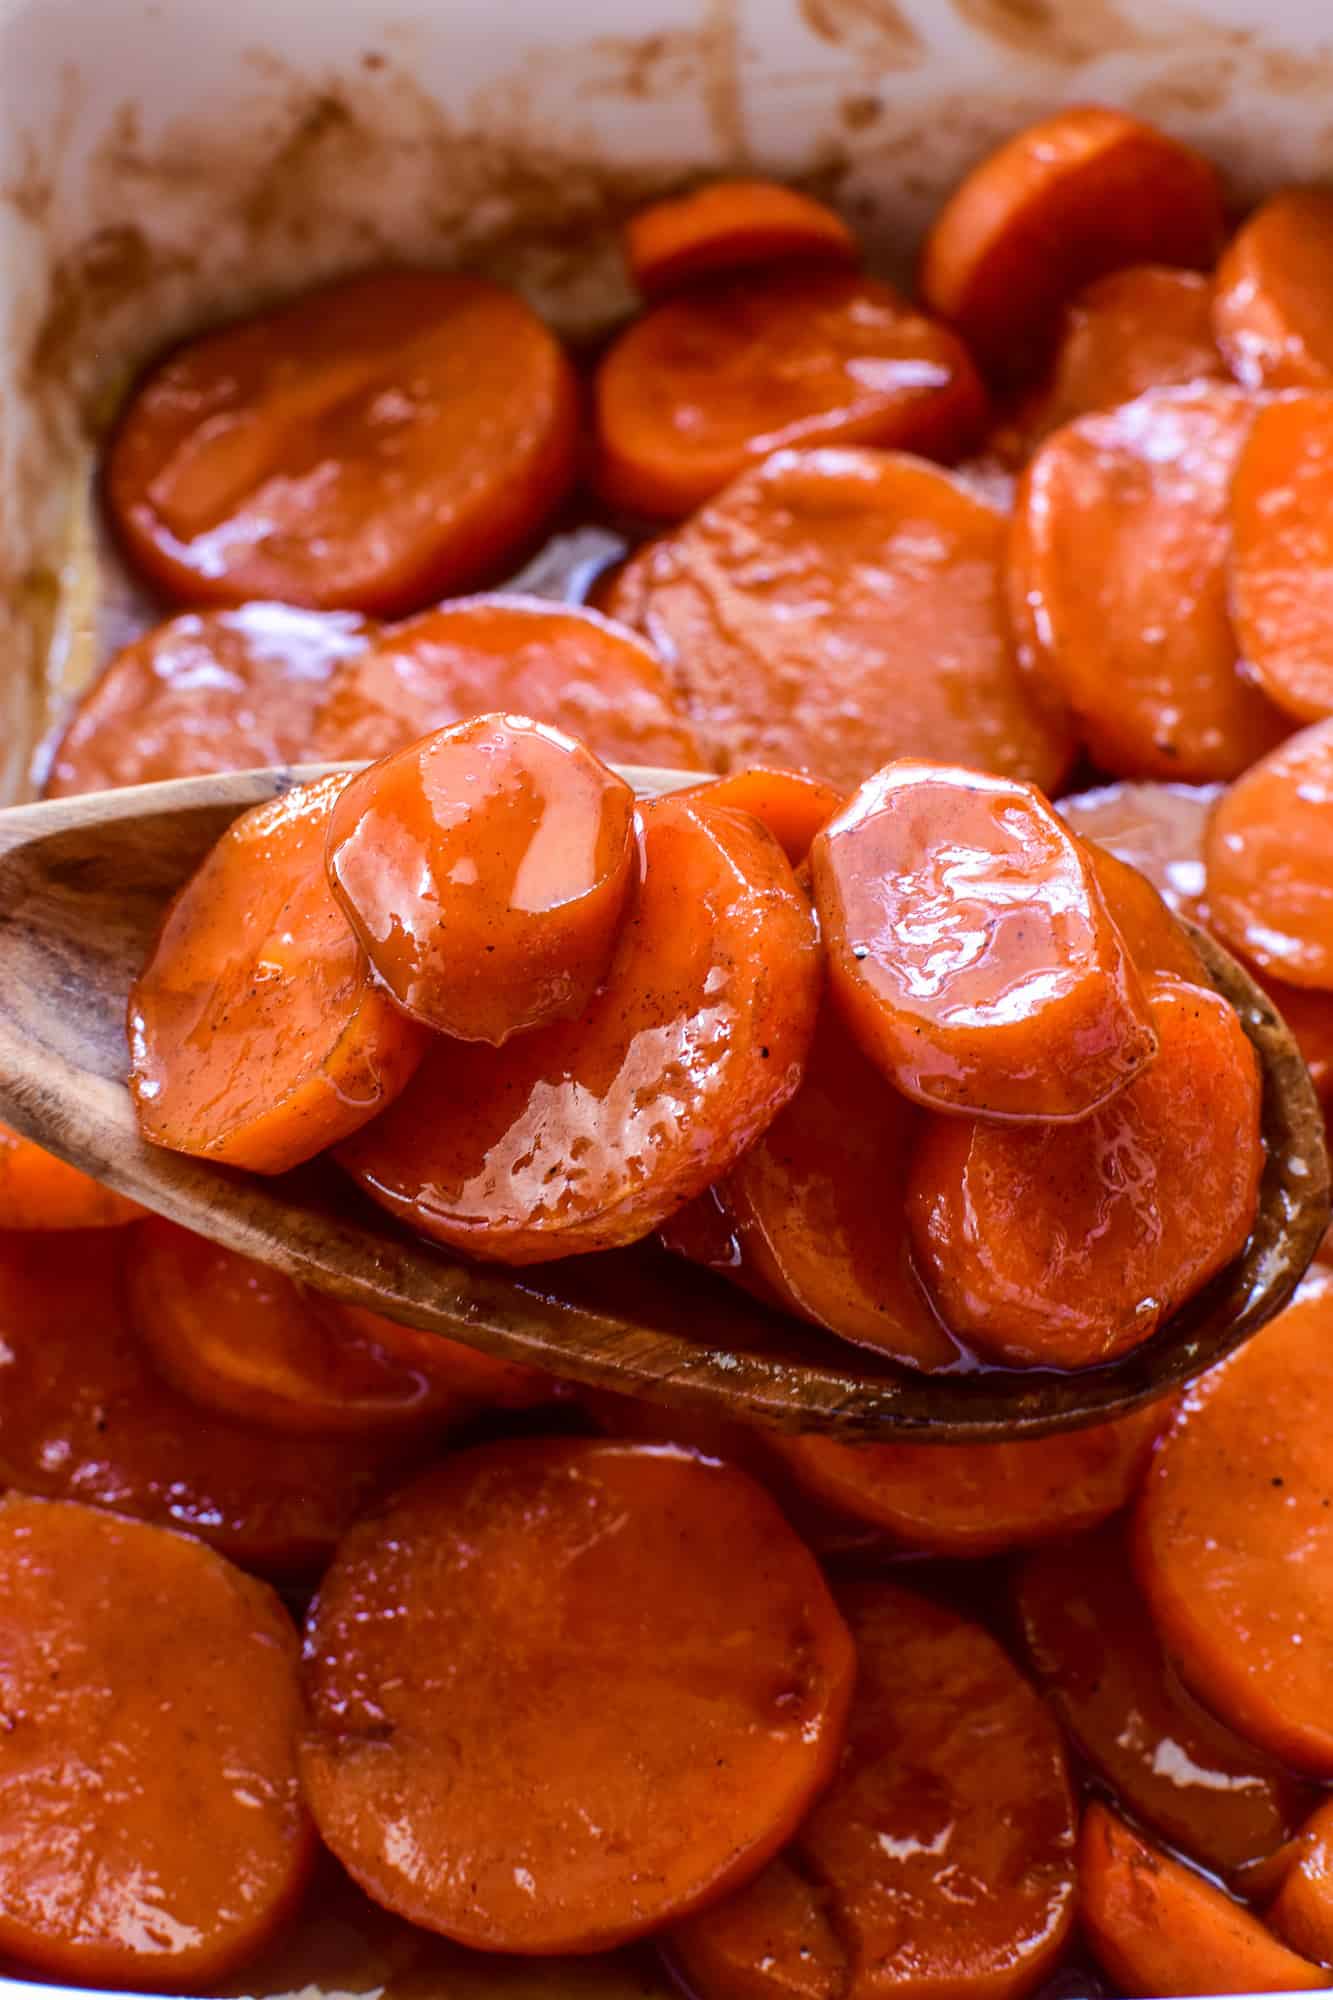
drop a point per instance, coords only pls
(208, 691)
(85, 1415)
(1268, 855)
(1118, 585)
(1155, 941)
(979, 1499)
(486, 871)
(1102, 1666)
(562, 1691)
(38, 1191)
(235, 1336)
(1063, 1245)
(1157, 828)
(590, 1133)
(258, 1035)
(836, 608)
(939, 1860)
(1274, 294)
(1146, 327)
(730, 226)
(1234, 1535)
(1302, 1910)
(791, 804)
(566, 665)
(970, 950)
(1155, 1926)
(1282, 553)
(1080, 194)
(814, 1213)
(718, 378)
(152, 1830)
(369, 446)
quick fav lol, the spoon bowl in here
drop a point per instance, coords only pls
(83, 885)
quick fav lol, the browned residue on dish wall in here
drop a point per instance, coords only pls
(876, 28)
(1052, 30)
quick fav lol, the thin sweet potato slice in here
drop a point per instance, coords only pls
(1274, 293)
(1234, 1535)
(152, 1830)
(814, 1214)
(1157, 1927)
(235, 1336)
(970, 949)
(369, 446)
(85, 1415)
(208, 691)
(1118, 585)
(940, 1859)
(1062, 1245)
(564, 664)
(486, 871)
(836, 608)
(1103, 1668)
(978, 1499)
(258, 1035)
(730, 226)
(38, 1191)
(1282, 553)
(563, 1691)
(1268, 856)
(718, 378)
(1084, 192)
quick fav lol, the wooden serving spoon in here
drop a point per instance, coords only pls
(83, 884)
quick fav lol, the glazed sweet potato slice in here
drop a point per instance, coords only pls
(258, 1035)
(369, 446)
(564, 664)
(1062, 1245)
(1156, 828)
(970, 949)
(1157, 1927)
(940, 1859)
(1269, 859)
(1282, 553)
(152, 1830)
(730, 226)
(235, 1336)
(1084, 192)
(834, 609)
(1097, 1655)
(1275, 291)
(84, 1415)
(814, 1214)
(590, 1133)
(562, 1691)
(791, 804)
(1156, 943)
(486, 872)
(1234, 1541)
(1118, 585)
(718, 378)
(979, 1499)
(208, 691)
(1146, 327)
(1302, 1910)
(1161, 831)
(38, 1191)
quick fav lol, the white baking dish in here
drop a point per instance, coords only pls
(165, 161)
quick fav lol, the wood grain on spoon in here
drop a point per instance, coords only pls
(83, 883)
